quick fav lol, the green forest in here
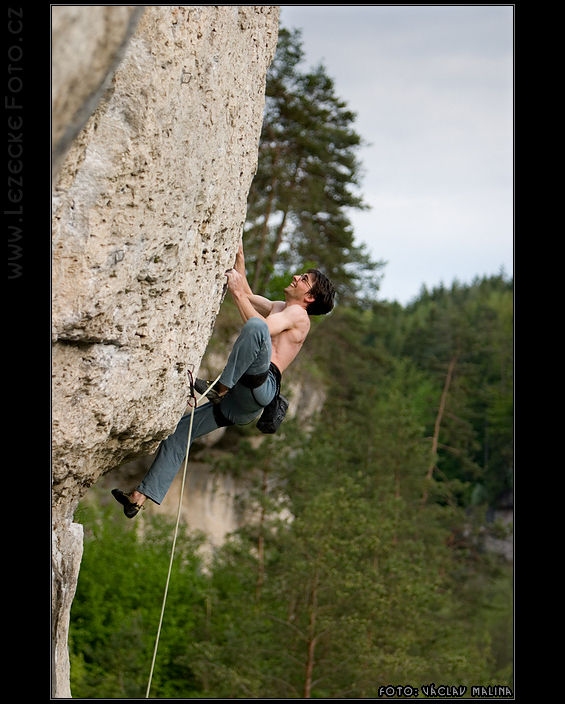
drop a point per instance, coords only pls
(366, 564)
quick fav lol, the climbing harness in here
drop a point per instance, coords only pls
(193, 402)
(273, 413)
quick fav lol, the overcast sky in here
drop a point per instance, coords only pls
(432, 87)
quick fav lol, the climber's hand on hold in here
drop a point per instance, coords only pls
(237, 284)
(235, 281)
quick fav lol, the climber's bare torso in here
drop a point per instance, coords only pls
(289, 325)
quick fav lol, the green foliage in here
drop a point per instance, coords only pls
(116, 608)
(472, 324)
(361, 584)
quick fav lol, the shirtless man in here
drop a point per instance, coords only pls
(272, 336)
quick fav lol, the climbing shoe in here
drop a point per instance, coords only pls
(202, 386)
(131, 509)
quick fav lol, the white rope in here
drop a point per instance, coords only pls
(175, 534)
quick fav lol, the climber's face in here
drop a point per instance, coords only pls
(304, 281)
(299, 288)
(301, 283)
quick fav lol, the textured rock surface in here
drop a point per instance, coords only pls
(86, 48)
(67, 555)
(148, 208)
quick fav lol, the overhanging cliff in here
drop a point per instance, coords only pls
(149, 201)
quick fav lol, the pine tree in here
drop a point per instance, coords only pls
(307, 180)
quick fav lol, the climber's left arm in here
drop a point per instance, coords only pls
(239, 266)
(236, 285)
(263, 306)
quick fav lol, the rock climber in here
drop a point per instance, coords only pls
(272, 335)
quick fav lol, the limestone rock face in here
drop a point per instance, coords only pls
(148, 209)
(67, 554)
(149, 203)
(87, 47)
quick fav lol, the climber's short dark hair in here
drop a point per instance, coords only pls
(323, 291)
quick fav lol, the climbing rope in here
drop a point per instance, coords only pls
(184, 474)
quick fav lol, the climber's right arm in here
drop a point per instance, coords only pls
(261, 304)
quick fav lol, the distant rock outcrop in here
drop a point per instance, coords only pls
(149, 201)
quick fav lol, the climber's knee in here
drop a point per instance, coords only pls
(256, 327)
(222, 421)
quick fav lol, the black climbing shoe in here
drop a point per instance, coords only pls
(131, 509)
(202, 385)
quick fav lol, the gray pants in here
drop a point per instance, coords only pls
(251, 354)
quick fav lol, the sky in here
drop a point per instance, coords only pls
(432, 88)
